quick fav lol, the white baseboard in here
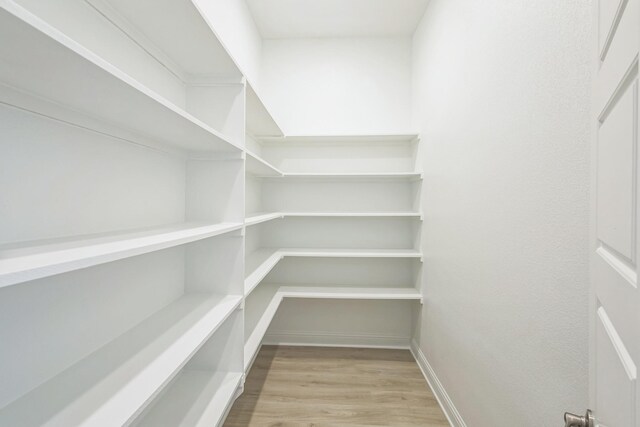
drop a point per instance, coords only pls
(328, 339)
(450, 411)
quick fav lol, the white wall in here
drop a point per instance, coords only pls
(501, 99)
(338, 86)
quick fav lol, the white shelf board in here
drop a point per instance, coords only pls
(178, 30)
(408, 176)
(196, 398)
(258, 167)
(354, 214)
(257, 218)
(112, 384)
(262, 261)
(258, 265)
(409, 137)
(47, 258)
(180, 24)
(350, 253)
(265, 301)
(260, 122)
(43, 62)
(270, 297)
(349, 293)
(260, 217)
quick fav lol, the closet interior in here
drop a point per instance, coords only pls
(162, 217)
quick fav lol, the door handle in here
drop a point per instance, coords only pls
(573, 420)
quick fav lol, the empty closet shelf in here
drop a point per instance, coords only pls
(258, 265)
(323, 292)
(257, 218)
(53, 257)
(196, 398)
(86, 83)
(261, 262)
(411, 176)
(354, 214)
(259, 167)
(261, 307)
(260, 122)
(111, 385)
(351, 253)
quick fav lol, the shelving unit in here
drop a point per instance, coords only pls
(123, 252)
(343, 204)
(86, 83)
(38, 260)
(112, 384)
(142, 251)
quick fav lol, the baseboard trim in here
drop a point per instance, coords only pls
(449, 409)
(327, 339)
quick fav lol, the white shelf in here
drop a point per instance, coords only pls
(258, 218)
(42, 259)
(350, 253)
(176, 29)
(270, 296)
(260, 123)
(354, 214)
(183, 24)
(259, 167)
(354, 138)
(258, 265)
(196, 398)
(87, 84)
(261, 262)
(350, 293)
(408, 176)
(112, 384)
(260, 309)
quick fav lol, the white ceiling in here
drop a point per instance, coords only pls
(336, 18)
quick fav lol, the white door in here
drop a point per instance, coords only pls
(614, 312)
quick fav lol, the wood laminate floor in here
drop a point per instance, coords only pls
(321, 386)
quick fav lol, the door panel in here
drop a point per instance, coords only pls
(615, 290)
(615, 298)
(620, 59)
(608, 11)
(616, 371)
(615, 174)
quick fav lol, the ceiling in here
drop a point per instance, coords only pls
(336, 18)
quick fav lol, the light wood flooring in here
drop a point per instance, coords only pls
(321, 386)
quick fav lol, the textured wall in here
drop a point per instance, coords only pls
(501, 96)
